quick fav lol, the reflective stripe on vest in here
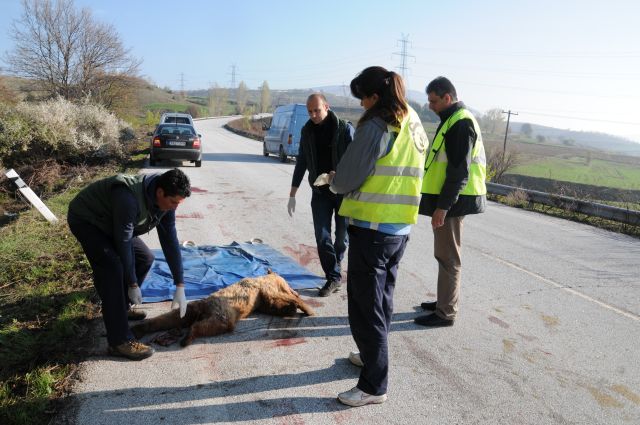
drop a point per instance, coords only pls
(436, 164)
(392, 193)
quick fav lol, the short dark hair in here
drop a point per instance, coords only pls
(175, 182)
(441, 86)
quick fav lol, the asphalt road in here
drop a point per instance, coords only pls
(548, 330)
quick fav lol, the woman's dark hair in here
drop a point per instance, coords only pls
(175, 182)
(392, 103)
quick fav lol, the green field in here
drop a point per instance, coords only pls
(579, 170)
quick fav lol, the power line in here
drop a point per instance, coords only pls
(580, 118)
(546, 54)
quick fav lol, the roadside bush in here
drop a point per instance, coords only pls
(60, 130)
(194, 111)
(499, 163)
(517, 198)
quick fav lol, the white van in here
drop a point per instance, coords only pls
(283, 137)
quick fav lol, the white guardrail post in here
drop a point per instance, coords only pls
(31, 196)
(620, 215)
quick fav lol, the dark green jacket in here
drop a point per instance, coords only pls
(93, 203)
(124, 207)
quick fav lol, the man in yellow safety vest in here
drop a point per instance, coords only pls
(453, 187)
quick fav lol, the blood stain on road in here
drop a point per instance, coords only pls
(304, 255)
(287, 342)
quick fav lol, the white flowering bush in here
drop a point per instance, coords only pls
(61, 130)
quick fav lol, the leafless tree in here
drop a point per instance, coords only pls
(68, 53)
(498, 164)
(217, 100)
(265, 97)
(492, 121)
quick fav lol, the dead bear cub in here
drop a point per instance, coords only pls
(219, 312)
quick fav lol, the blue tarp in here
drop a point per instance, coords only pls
(209, 268)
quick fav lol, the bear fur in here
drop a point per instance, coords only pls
(219, 312)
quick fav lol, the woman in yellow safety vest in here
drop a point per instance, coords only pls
(380, 176)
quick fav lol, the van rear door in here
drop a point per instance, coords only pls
(299, 119)
(274, 134)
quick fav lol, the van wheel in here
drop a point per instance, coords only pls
(152, 162)
(199, 163)
(264, 149)
(282, 155)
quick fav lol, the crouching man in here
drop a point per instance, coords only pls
(107, 217)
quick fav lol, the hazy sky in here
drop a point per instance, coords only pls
(566, 63)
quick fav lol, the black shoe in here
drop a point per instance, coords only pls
(429, 306)
(432, 320)
(330, 287)
(135, 314)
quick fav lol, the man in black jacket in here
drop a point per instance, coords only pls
(323, 141)
(107, 217)
(453, 187)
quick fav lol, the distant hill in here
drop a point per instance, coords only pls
(588, 139)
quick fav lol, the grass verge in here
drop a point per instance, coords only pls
(47, 307)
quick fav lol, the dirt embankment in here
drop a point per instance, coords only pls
(252, 128)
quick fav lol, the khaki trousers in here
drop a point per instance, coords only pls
(446, 249)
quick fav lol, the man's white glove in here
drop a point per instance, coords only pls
(135, 296)
(324, 178)
(179, 300)
(291, 206)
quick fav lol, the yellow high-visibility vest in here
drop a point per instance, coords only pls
(435, 167)
(392, 193)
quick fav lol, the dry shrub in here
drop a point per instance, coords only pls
(517, 198)
(59, 129)
(499, 163)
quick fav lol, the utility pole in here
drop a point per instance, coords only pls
(506, 131)
(182, 85)
(403, 58)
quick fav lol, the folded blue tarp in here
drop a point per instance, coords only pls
(210, 268)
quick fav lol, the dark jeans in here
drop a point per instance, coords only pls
(108, 275)
(324, 206)
(371, 279)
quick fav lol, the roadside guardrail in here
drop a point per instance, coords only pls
(593, 209)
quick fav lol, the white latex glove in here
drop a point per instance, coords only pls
(291, 206)
(323, 179)
(135, 296)
(179, 300)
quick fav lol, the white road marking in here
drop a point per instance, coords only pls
(564, 288)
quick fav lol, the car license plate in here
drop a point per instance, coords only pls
(176, 143)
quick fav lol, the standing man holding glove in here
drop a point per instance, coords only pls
(323, 141)
(107, 217)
